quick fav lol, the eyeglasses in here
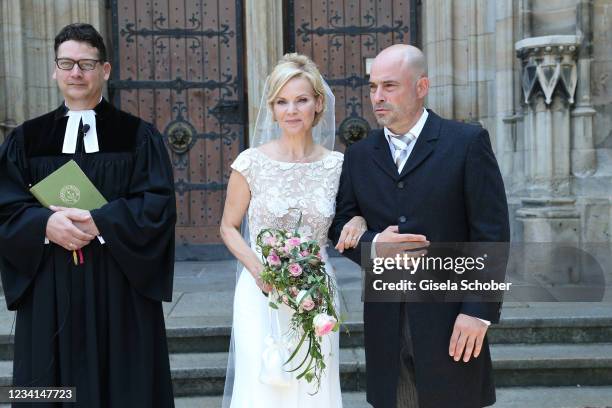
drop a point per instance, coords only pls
(84, 65)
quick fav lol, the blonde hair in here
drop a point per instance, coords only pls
(291, 66)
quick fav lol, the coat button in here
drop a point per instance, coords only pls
(400, 184)
(402, 219)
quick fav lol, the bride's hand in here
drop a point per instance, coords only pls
(351, 232)
(265, 288)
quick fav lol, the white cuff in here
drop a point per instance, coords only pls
(488, 323)
(102, 242)
(373, 249)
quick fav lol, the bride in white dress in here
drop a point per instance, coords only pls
(289, 169)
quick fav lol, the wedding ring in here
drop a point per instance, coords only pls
(71, 245)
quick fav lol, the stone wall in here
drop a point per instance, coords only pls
(600, 185)
(27, 30)
(601, 78)
(459, 40)
(555, 150)
(552, 17)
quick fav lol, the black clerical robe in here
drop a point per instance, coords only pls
(98, 326)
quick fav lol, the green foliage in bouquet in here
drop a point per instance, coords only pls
(294, 268)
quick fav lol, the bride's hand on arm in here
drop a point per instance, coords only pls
(236, 205)
(351, 233)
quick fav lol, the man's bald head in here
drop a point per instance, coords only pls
(404, 56)
(398, 87)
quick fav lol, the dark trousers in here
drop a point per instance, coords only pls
(406, 385)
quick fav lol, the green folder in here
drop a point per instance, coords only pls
(68, 186)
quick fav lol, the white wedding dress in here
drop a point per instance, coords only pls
(279, 191)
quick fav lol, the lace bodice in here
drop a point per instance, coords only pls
(280, 190)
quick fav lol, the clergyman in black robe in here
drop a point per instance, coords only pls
(97, 326)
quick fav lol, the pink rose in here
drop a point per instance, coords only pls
(305, 253)
(305, 301)
(270, 240)
(308, 304)
(295, 241)
(273, 259)
(292, 243)
(294, 291)
(323, 324)
(285, 299)
(295, 270)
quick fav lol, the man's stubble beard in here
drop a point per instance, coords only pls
(388, 119)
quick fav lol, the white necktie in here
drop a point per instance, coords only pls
(90, 141)
(401, 145)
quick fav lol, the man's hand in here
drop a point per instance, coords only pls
(61, 231)
(80, 218)
(351, 233)
(390, 243)
(467, 338)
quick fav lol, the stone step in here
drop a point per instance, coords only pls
(519, 365)
(204, 373)
(522, 323)
(558, 397)
(519, 331)
(194, 337)
(522, 365)
(529, 397)
(528, 331)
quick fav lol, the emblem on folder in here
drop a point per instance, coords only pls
(70, 194)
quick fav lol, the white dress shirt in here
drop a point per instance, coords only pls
(415, 132)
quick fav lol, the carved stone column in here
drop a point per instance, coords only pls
(549, 77)
(438, 47)
(505, 91)
(264, 45)
(584, 159)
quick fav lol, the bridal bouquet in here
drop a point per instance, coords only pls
(293, 267)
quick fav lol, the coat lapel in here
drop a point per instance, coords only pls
(425, 144)
(381, 154)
